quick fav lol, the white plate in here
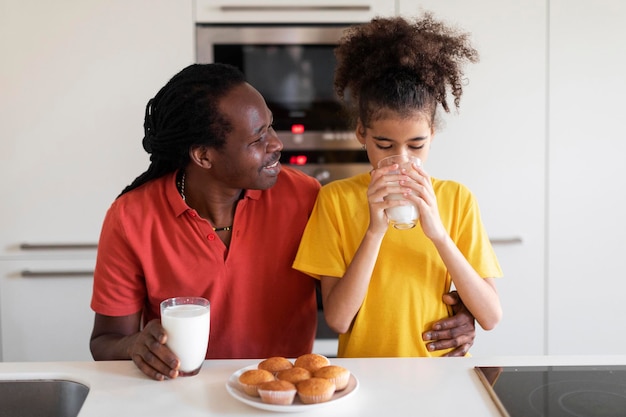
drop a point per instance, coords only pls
(232, 386)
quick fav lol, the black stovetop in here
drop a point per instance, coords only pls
(557, 391)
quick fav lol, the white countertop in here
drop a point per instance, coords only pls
(387, 386)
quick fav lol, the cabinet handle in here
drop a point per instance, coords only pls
(55, 274)
(57, 246)
(330, 8)
(506, 240)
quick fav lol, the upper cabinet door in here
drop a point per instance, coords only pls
(496, 145)
(587, 226)
(75, 79)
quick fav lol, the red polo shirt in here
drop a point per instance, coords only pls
(153, 246)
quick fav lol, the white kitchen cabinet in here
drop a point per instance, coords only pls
(74, 81)
(558, 182)
(44, 309)
(496, 145)
(587, 177)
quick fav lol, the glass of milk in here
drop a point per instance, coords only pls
(186, 321)
(401, 217)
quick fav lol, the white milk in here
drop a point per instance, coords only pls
(187, 328)
(402, 217)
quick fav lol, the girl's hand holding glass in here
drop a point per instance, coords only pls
(423, 197)
(378, 189)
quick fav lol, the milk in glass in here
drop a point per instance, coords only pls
(401, 217)
(187, 328)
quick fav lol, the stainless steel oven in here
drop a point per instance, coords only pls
(292, 65)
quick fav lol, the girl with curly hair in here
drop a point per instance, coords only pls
(383, 287)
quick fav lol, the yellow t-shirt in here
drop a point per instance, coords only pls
(409, 278)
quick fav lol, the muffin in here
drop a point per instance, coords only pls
(312, 361)
(277, 392)
(275, 364)
(315, 390)
(293, 375)
(339, 375)
(252, 378)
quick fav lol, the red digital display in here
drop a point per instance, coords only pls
(297, 129)
(298, 160)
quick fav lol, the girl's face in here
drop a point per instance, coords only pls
(394, 135)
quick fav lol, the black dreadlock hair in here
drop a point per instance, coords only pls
(184, 114)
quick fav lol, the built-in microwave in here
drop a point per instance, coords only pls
(291, 66)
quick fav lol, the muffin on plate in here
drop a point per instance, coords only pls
(339, 375)
(312, 361)
(315, 390)
(252, 378)
(277, 392)
(275, 364)
(294, 375)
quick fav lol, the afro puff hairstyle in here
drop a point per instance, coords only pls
(393, 64)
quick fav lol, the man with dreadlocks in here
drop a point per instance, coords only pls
(382, 287)
(214, 216)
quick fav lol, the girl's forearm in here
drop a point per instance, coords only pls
(478, 294)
